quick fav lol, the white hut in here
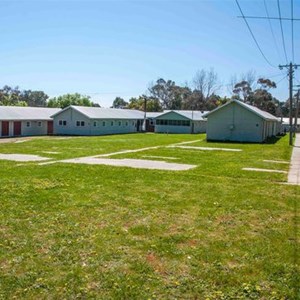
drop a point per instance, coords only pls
(180, 121)
(26, 121)
(82, 120)
(241, 122)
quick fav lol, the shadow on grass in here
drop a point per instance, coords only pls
(270, 140)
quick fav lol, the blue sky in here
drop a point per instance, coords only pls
(116, 48)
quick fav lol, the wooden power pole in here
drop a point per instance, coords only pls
(291, 67)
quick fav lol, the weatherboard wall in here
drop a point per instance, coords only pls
(28, 128)
(199, 126)
(72, 122)
(236, 123)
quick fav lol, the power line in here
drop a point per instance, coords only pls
(271, 27)
(253, 35)
(292, 16)
(271, 18)
(282, 35)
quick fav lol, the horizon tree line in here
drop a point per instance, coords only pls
(201, 94)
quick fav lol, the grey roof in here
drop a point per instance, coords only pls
(195, 115)
(153, 114)
(105, 113)
(261, 113)
(287, 121)
(26, 113)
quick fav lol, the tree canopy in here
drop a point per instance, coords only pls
(119, 103)
(13, 96)
(71, 99)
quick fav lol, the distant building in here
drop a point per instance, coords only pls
(26, 121)
(241, 122)
(286, 124)
(180, 121)
(82, 120)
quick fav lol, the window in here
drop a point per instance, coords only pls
(120, 123)
(60, 122)
(126, 123)
(64, 123)
(80, 123)
(39, 124)
(112, 123)
(28, 124)
(133, 123)
(95, 123)
(103, 123)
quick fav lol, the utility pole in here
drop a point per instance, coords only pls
(291, 67)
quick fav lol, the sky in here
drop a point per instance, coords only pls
(106, 49)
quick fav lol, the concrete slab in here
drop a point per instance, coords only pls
(264, 170)
(132, 163)
(294, 172)
(126, 151)
(206, 148)
(276, 161)
(51, 152)
(162, 157)
(189, 142)
(22, 157)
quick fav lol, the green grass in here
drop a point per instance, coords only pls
(100, 232)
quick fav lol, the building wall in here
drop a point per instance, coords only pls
(235, 123)
(65, 123)
(71, 117)
(109, 126)
(34, 128)
(28, 128)
(199, 126)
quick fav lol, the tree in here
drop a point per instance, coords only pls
(10, 96)
(243, 91)
(206, 82)
(249, 77)
(167, 93)
(119, 103)
(35, 98)
(71, 99)
(152, 104)
(263, 99)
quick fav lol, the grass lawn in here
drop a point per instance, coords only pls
(72, 231)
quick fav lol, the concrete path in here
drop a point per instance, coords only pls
(22, 157)
(294, 172)
(132, 163)
(206, 148)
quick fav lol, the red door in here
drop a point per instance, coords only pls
(5, 128)
(50, 127)
(17, 128)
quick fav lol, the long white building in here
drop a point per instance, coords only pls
(26, 121)
(81, 120)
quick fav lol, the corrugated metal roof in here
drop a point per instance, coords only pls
(26, 113)
(195, 115)
(263, 114)
(287, 121)
(153, 114)
(106, 113)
